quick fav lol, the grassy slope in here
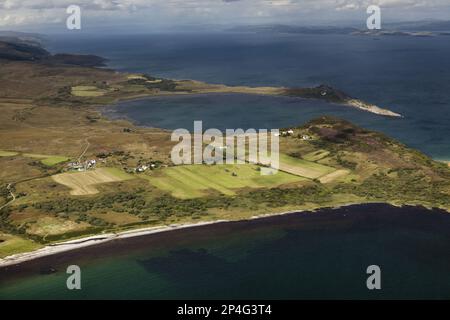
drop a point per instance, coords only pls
(10, 244)
(194, 180)
(303, 168)
(48, 160)
(84, 183)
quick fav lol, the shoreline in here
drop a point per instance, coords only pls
(66, 246)
(61, 247)
(350, 102)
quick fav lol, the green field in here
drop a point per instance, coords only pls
(118, 173)
(303, 168)
(48, 160)
(7, 153)
(51, 161)
(87, 91)
(10, 244)
(84, 183)
(195, 180)
(316, 155)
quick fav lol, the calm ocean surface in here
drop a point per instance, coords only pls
(319, 255)
(324, 255)
(409, 75)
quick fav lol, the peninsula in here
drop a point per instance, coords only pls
(70, 174)
(113, 86)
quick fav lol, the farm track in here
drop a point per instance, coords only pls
(88, 144)
(37, 177)
(12, 195)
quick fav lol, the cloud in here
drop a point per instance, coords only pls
(401, 4)
(166, 12)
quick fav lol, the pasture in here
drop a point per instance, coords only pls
(334, 176)
(7, 153)
(316, 155)
(193, 181)
(84, 183)
(48, 160)
(87, 91)
(303, 168)
(50, 226)
(11, 244)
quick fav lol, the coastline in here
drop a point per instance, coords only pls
(352, 103)
(88, 241)
(62, 247)
(66, 246)
(260, 91)
(408, 235)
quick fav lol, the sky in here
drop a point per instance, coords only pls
(159, 15)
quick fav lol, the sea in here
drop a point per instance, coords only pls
(406, 74)
(321, 255)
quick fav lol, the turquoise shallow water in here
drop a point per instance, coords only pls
(319, 255)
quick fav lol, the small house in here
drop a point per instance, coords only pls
(142, 168)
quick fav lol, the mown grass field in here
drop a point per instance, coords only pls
(84, 183)
(87, 91)
(316, 155)
(303, 168)
(334, 176)
(193, 181)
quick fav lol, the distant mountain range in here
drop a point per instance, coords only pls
(424, 25)
(22, 37)
(17, 46)
(420, 28)
(280, 28)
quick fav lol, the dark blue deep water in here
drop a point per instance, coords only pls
(320, 255)
(409, 75)
(307, 255)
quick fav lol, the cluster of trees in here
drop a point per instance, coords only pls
(134, 203)
(408, 185)
(93, 220)
(278, 197)
(4, 192)
(166, 206)
(346, 163)
(4, 223)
